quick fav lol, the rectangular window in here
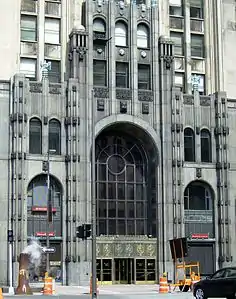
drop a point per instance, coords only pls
(52, 31)
(179, 80)
(197, 45)
(175, 8)
(99, 73)
(196, 9)
(144, 76)
(28, 26)
(177, 38)
(122, 74)
(28, 68)
(54, 75)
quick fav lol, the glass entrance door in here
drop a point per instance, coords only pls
(124, 271)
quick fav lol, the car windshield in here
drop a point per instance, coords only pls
(218, 274)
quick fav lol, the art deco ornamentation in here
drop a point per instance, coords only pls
(100, 92)
(188, 100)
(123, 94)
(36, 87)
(54, 89)
(145, 96)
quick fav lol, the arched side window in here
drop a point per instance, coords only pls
(198, 209)
(35, 136)
(121, 34)
(55, 136)
(99, 25)
(189, 145)
(142, 36)
(206, 152)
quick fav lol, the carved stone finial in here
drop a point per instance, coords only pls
(45, 67)
(195, 81)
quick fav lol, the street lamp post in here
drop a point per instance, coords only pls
(93, 203)
(49, 205)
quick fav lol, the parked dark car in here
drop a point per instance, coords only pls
(221, 284)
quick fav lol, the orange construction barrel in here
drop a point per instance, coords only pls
(163, 287)
(48, 286)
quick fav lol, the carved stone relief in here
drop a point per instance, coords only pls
(205, 101)
(101, 92)
(145, 96)
(123, 94)
(36, 87)
(188, 99)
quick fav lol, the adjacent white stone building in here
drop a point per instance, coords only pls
(161, 75)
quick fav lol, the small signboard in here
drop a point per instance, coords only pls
(200, 236)
(43, 234)
(49, 250)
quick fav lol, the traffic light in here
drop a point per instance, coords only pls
(10, 236)
(88, 230)
(83, 231)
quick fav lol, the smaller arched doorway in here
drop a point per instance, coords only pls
(37, 223)
(200, 225)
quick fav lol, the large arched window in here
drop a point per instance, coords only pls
(198, 207)
(121, 34)
(206, 155)
(55, 136)
(189, 145)
(123, 207)
(37, 206)
(35, 136)
(142, 36)
(99, 25)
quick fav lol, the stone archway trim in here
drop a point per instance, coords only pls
(120, 118)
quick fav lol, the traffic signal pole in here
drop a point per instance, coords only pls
(93, 202)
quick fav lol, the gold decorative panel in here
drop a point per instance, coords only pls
(151, 250)
(108, 250)
(129, 250)
(140, 249)
(119, 250)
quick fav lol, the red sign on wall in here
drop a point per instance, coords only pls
(200, 236)
(42, 209)
(43, 234)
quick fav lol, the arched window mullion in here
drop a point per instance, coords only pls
(143, 37)
(35, 136)
(54, 137)
(189, 145)
(206, 147)
(121, 34)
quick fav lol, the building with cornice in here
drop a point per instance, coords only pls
(161, 76)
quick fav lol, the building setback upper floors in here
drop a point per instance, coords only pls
(42, 28)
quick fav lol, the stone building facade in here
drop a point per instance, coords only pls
(165, 162)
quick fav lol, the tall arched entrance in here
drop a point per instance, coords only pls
(200, 225)
(126, 193)
(37, 223)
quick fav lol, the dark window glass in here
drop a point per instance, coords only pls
(199, 211)
(54, 75)
(144, 80)
(197, 45)
(126, 201)
(206, 146)
(35, 136)
(99, 73)
(37, 202)
(196, 9)
(218, 274)
(189, 145)
(54, 137)
(28, 28)
(177, 38)
(122, 74)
